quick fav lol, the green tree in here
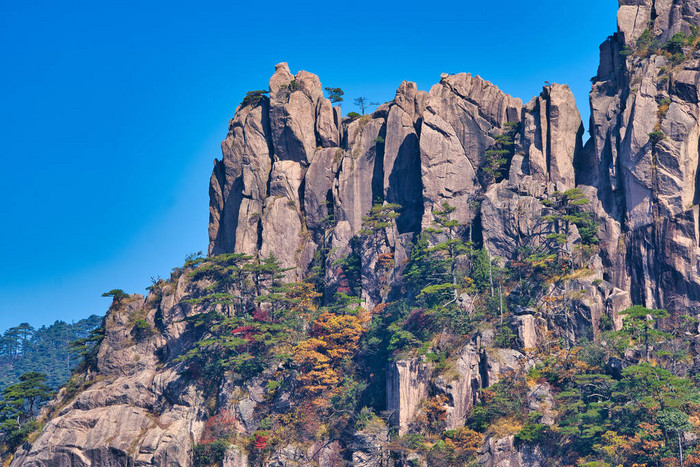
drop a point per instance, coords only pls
(88, 346)
(118, 295)
(639, 325)
(436, 276)
(499, 154)
(253, 98)
(432, 272)
(335, 95)
(46, 350)
(18, 407)
(265, 273)
(675, 45)
(565, 210)
(380, 217)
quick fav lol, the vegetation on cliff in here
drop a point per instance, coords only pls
(321, 357)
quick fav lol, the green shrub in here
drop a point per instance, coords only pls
(646, 44)
(353, 115)
(364, 418)
(676, 43)
(505, 338)
(210, 453)
(253, 97)
(532, 433)
(412, 441)
(143, 328)
(656, 136)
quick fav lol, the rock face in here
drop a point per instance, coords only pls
(504, 453)
(642, 157)
(407, 385)
(463, 114)
(423, 149)
(133, 410)
(462, 390)
(296, 180)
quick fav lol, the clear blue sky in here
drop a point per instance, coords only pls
(111, 113)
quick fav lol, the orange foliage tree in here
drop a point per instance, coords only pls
(322, 358)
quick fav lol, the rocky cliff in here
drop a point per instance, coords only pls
(642, 157)
(299, 182)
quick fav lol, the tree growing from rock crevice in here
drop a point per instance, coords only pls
(565, 211)
(363, 103)
(335, 95)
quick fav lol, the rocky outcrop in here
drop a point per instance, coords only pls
(504, 452)
(463, 114)
(642, 157)
(131, 409)
(402, 163)
(238, 185)
(406, 387)
(551, 137)
(369, 446)
(462, 387)
(235, 457)
(288, 187)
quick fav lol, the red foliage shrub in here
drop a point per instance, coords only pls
(260, 442)
(219, 426)
(246, 332)
(261, 315)
(417, 320)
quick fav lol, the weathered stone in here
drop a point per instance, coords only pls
(633, 18)
(646, 186)
(235, 457)
(293, 104)
(358, 181)
(135, 412)
(406, 386)
(289, 456)
(462, 391)
(402, 166)
(503, 452)
(238, 186)
(282, 227)
(541, 400)
(318, 190)
(462, 115)
(327, 124)
(526, 326)
(552, 132)
(368, 445)
(510, 220)
(500, 363)
(326, 454)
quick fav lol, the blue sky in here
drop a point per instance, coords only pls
(111, 113)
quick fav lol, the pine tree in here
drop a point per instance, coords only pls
(18, 407)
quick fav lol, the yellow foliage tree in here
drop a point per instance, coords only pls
(321, 358)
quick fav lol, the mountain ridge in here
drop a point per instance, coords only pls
(345, 204)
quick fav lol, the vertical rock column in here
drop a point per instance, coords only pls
(238, 186)
(406, 386)
(462, 113)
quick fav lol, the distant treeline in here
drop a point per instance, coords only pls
(45, 350)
